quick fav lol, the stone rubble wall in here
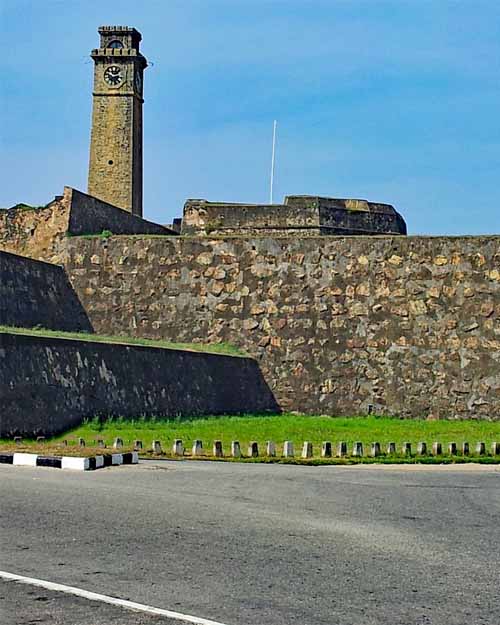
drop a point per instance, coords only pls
(42, 233)
(49, 385)
(406, 326)
(33, 293)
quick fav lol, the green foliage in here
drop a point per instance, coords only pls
(212, 348)
(297, 428)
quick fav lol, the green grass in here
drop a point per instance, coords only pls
(297, 428)
(211, 348)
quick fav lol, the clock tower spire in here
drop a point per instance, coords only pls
(115, 168)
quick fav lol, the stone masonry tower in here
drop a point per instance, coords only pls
(115, 169)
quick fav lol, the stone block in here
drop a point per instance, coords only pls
(307, 450)
(217, 451)
(270, 449)
(342, 449)
(375, 450)
(156, 447)
(288, 451)
(197, 449)
(118, 443)
(357, 450)
(235, 449)
(406, 449)
(178, 447)
(422, 449)
(452, 449)
(480, 449)
(391, 449)
(437, 449)
(465, 448)
(326, 449)
(253, 449)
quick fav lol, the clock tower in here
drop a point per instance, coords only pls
(115, 169)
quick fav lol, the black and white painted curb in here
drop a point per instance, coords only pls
(69, 462)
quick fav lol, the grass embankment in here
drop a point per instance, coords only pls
(296, 428)
(210, 348)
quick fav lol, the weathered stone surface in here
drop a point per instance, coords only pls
(302, 215)
(41, 233)
(332, 335)
(33, 293)
(48, 385)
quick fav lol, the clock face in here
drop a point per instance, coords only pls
(138, 82)
(113, 76)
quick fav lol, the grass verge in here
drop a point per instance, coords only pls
(225, 349)
(296, 428)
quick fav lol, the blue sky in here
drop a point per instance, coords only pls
(389, 100)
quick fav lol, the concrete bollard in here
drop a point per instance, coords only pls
(217, 449)
(307, 450)
(406, 449)
(235, 449)
(118, 443)
(357, 450)
(18, 440)
(100, 443)
(270, 449)
(253, 449)
(375, 450)
(288, 449)
(465, 448)
(156, 447)
(64, 443)
(81, 442)
(391, 449)
(326, 449)
(437, 448)
(40, 439)
(137, 445)
(342, 449)
(480, 449)
(197, 449)
(422, 449)
(495, 449)
(178, 447)
(452, 449)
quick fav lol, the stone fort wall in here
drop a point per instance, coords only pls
(33, 293)
(48, 385)
(405, 326)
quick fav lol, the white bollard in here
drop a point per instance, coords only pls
(357, 450)
(288, 449)
(437, 448)
(326, 449)
(391, 449)
(480, 449)
(422, 449)
(117, 443)
(178, 447)
(465, 448)
(235, 449)
(342, 449)
(307, 450)
(217, 449)
(156, 447)
(270, 449)
(253, 449)
(375, 451)
(495, 449)
(197, 448)
(452, 449)
(406, 449)
(81, 442)
(100, 443)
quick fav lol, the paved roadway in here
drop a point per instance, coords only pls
(250, 544)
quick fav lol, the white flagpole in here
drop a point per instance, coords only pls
(272, 162)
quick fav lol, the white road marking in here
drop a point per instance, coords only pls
(94, 596)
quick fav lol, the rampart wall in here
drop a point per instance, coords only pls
(33, 293)
(42, 233)
(48, 385)
(406, 326)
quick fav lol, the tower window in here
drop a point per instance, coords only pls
(115, 44)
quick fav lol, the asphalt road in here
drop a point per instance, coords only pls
(250, 544)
